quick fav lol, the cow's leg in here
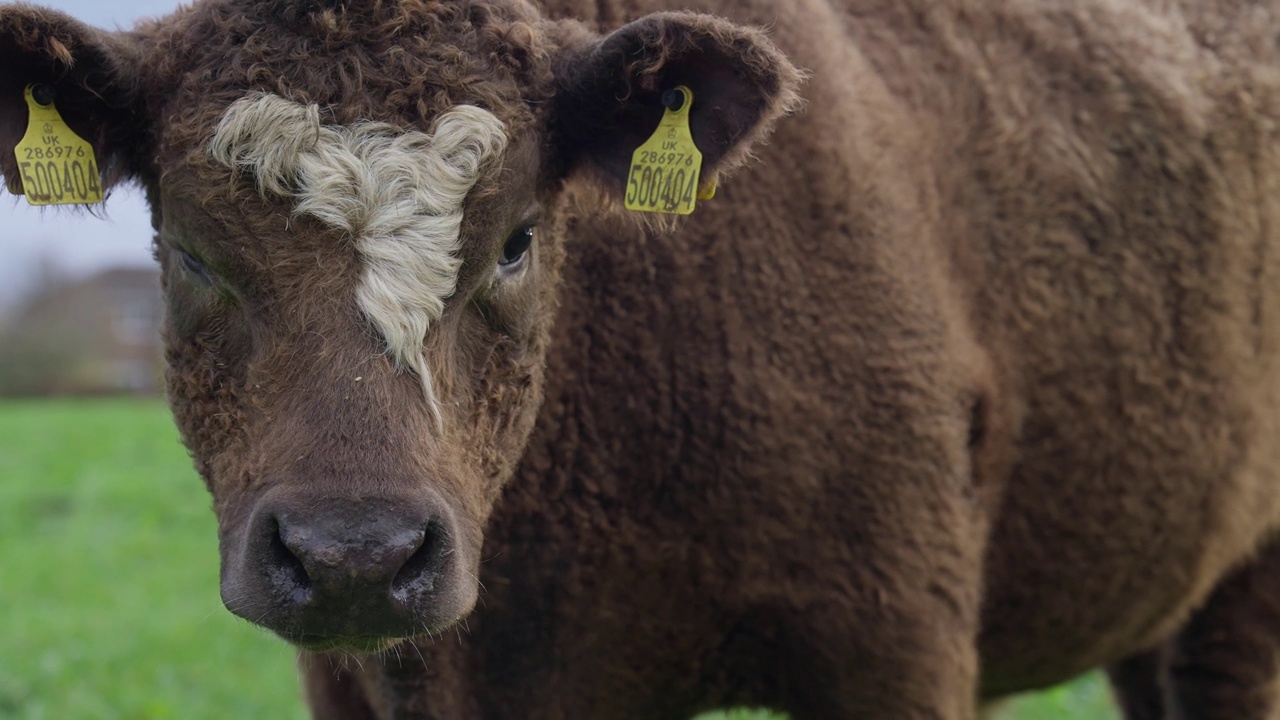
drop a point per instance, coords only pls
(886, 615)
(1225, 664)
(893, 636)
(927, 674)
(1138, 685)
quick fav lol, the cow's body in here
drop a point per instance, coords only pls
(968, 384)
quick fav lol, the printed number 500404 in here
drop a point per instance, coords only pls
(661, 187)
(51, 180)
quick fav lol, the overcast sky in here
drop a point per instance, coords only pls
(75, 242)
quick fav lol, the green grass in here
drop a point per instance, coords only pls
(109, 573)
(109, 590)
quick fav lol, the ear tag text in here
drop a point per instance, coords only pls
(666, 169)
(57, 166)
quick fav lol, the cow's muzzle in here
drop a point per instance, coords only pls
(357, 574)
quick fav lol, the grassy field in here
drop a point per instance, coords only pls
(108, 582)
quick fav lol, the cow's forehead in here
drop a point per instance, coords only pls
(397, 194)
(403, 63)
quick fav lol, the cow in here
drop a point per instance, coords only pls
(965, 382)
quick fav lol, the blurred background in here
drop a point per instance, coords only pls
(109, 605)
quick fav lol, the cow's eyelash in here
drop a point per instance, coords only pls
(195, 267)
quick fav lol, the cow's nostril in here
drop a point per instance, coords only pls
(418, 574)
(286, 572)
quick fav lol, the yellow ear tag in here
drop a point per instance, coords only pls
(665, 170)
(56, 165)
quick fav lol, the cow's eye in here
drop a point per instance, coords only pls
(516, 247)
(195, 267)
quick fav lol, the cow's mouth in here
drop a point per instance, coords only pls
(342, 643)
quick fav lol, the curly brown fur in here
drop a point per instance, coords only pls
(967, 384)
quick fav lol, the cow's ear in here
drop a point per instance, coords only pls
(93, 75)
(609, 90)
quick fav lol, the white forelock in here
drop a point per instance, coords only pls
(398, 193)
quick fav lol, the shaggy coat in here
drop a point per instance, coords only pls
(967, 383)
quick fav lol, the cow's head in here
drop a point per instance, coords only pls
(359, 217)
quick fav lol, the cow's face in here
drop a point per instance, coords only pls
(359, 220)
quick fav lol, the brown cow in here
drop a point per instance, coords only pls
(967, 385)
